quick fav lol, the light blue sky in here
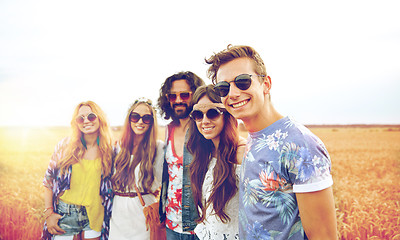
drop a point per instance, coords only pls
(330, 62)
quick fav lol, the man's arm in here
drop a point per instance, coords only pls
(317, 213)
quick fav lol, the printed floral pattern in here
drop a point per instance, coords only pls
(59, 183)
(279, 160)
(174, 201)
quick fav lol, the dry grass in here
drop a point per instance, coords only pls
(24, 155)
(365, 167)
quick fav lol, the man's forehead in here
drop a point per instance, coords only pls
(232, 69)
(180, 83)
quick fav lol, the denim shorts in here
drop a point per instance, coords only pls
(74, 218)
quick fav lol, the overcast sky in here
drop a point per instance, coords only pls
(334, 62)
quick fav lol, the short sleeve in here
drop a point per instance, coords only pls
(312, 165)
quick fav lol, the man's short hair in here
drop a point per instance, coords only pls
(231, 53)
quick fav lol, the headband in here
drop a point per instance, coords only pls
(143, 100)
(206, 106)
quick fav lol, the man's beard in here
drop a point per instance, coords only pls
(182, 114)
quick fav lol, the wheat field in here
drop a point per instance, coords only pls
(365, 168)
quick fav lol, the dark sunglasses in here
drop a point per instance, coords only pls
(135, 117)
(91, 117)
(243, 82)
(212, 114)
(183, 95)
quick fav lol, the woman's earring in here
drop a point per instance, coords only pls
(83, 142)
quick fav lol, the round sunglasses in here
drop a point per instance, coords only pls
(135, 117)
(91, 117)
(183, 95)
(243, 82)
(212, 114)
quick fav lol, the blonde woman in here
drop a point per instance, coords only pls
(139, 161)
(77, 182)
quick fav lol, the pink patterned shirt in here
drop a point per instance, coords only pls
(174, 201)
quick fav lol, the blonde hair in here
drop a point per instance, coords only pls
(124, 175)
(75, 149)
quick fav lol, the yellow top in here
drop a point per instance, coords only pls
(85, 190)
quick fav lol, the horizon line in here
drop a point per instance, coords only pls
(162, 125)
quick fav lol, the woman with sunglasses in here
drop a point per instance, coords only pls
(139, 162)
(77, 182)
(217, 151)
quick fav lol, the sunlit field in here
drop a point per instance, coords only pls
(365, 168)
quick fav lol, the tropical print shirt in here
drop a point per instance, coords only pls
(58, 183)
(185, 218)
(174, 200)
(281, 160)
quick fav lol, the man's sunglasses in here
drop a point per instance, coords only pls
(135, 117)
(91, 117)
(243, 82)
(212, 114)
(183, 95)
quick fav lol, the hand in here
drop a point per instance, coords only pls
(52, 224)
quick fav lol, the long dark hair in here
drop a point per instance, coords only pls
(124, 175)
(224, 173)
(192, 80)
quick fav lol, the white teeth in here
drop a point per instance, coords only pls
(207, 129)
(239, 104)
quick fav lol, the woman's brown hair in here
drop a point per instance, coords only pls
(224, 173)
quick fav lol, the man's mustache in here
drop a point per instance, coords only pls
(180, 104)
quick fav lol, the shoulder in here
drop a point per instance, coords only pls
(242, 141)
(65, 140)
(172, 125)
(160, 144)
(159, 155)
(241, 150)
(299, 134)
(311, 142)
(62, 144)
(60, 150)
(168, 129)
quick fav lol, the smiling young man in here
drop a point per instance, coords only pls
(176, 201)
(285, 189)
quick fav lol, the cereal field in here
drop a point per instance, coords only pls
(365, 167)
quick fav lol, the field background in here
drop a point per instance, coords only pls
(365, 168)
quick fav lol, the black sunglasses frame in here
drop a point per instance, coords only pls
(242, 81)
(81, 119)
(210, 115)
(146, 119)
(173, 96)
